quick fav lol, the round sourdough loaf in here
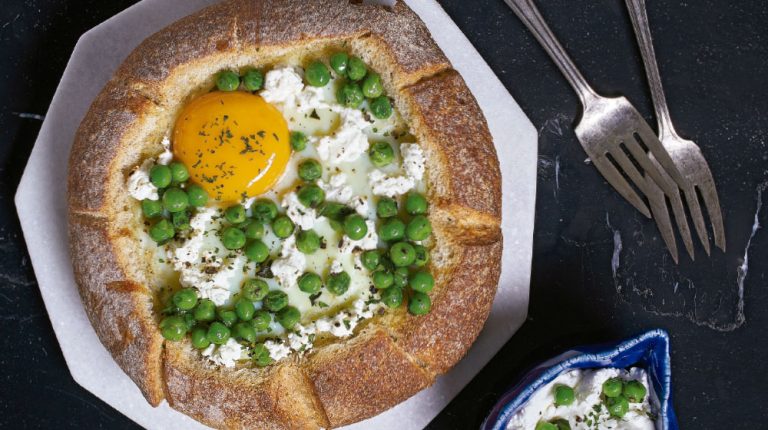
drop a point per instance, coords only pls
(391, 357)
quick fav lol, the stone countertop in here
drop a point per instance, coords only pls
(600, 270)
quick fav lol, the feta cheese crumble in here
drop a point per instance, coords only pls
(587, 406)
(392, 186)
(336, 189)
(226, 355)
(301, 215)
(348, 142)
(290, 265)
(198, 264)
(282, 86)
(139, 185)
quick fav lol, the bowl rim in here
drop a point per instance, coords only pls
(587, 357)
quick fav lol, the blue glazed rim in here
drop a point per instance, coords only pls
(649, 350)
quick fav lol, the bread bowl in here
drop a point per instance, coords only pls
(390, 357)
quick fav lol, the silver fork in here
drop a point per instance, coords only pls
(610, 129)
(685, 154)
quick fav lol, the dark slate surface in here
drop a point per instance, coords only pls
(600, 271)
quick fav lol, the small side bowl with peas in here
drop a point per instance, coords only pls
(647, 353)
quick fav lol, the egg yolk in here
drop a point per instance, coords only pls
(234, 144)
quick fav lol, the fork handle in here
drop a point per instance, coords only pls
(528, 13)
(639, 17)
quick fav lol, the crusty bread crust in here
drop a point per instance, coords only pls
(393, 355)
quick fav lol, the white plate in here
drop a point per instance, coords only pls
(41, 204)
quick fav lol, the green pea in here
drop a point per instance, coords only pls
(298, 141)
(355, 227)
(392, 297)
(308, 241)
(612, 387)
(260, 355)
(564, 395)
(261, 320)
(288, 317)
(253, 80)
(356, 69)
(543, 425)
(205, 310)
(416, 204)
(422, 256)
(420, 304)
(350, 95)
(200, 338)
(275, 300)
(401, 277)
(245, 331)
(185, 299)
(381, 154)
(391, 230)
(317, 74)
(256, 251)
(232, 238)
(372, 86)
(151, 208)
(282, 226)
(254, 230)
(402, 254)
(189, 320)
(370, 259)
(310, 283)
(562, 424)
(338, 283)
(180, 221)
(160, 176)
(175, 200)
(197, 196)
(311, 196)
(235, 214)
(173, 327)
(161, 231)
(310, 170)
(334, 210)
(227, 316)
(386, 208)
(339, 62)
(617, 406)
(227, 80)
(244, 309)
(264, 210)
(254, 289)
(381, 107)
(382, 279)
(422, 282)
(218, 333)
(179, 172)
(419, 228)
(634, 391)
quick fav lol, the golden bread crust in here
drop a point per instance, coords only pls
(120, 310)
(393, 356)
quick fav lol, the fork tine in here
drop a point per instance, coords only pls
(654, 145)
(618, 182)
(712, 202)
(682, 222)
(661, 215)
(698, 218)
(656, 172)
(629, 168)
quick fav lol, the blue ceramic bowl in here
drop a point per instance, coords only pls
(649, 351)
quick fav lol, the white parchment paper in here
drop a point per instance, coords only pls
(41, 204)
